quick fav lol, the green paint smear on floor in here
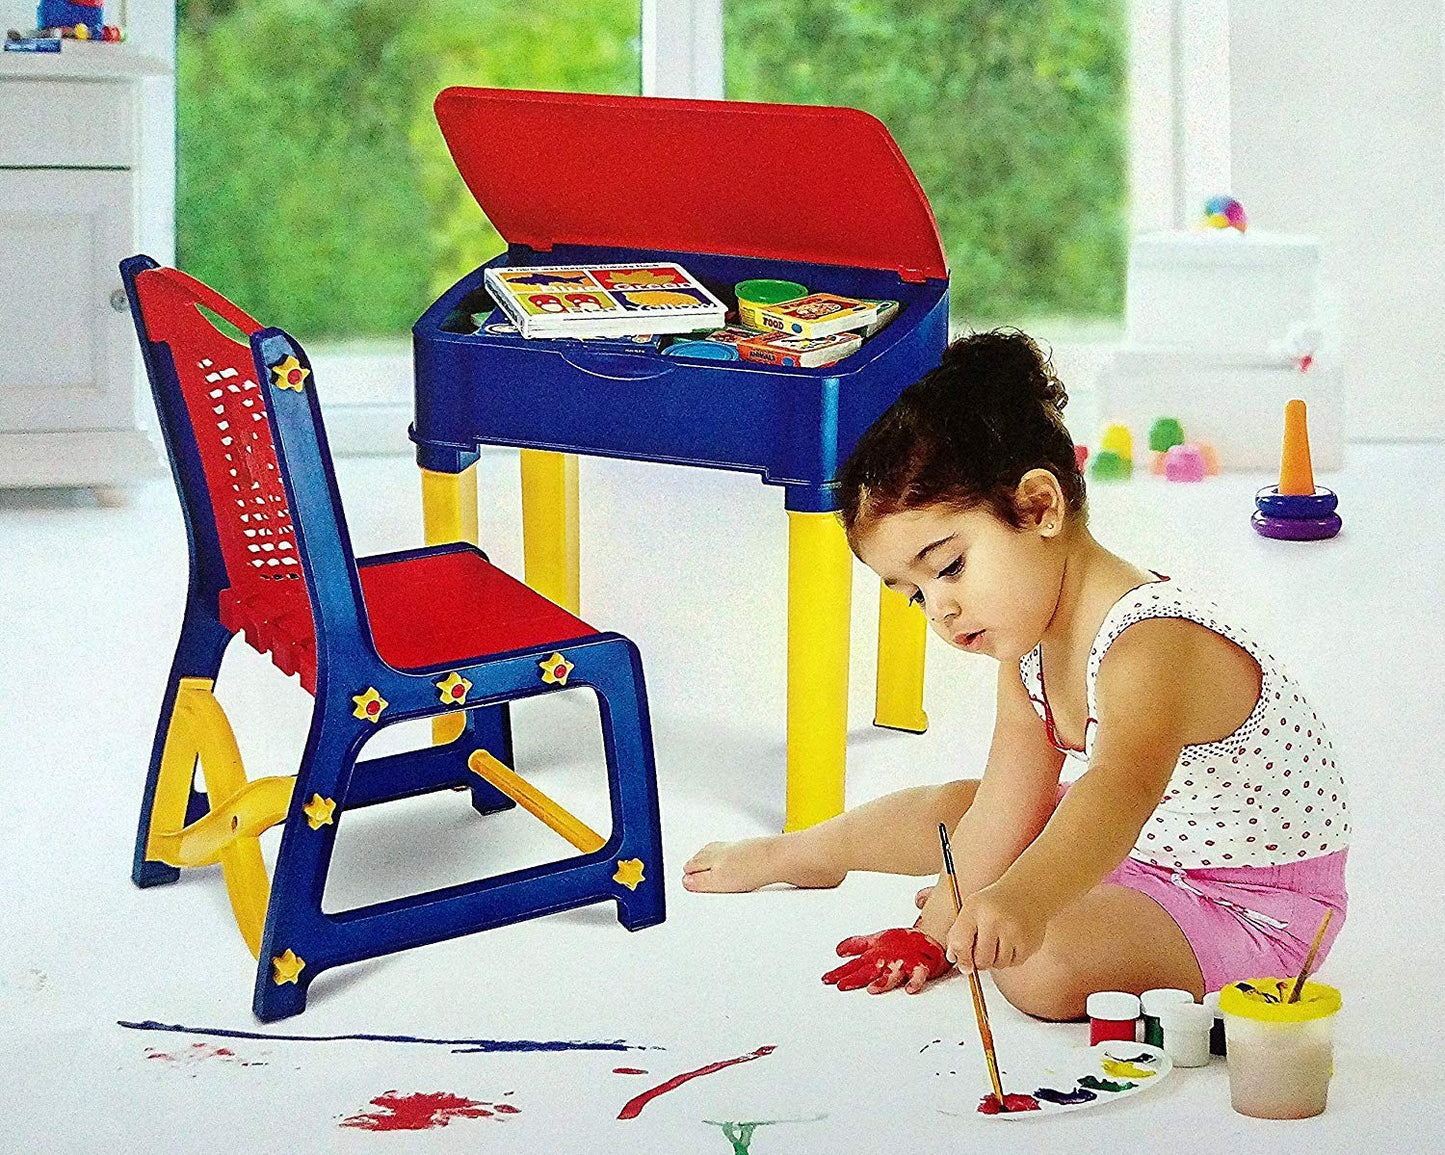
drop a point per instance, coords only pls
(740, 1135)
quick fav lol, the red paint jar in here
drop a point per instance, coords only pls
(1112, 1017)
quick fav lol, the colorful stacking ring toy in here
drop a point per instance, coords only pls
(1296, 528)
(1294, 510)
(1272, 503)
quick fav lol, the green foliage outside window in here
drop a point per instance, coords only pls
(315, 188)
(1011, 112)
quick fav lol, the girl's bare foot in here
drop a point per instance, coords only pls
(731, 867)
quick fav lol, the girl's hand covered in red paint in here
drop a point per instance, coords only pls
(888, 958)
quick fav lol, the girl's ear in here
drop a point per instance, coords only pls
(1040, 501)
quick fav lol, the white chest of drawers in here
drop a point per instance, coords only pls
(69, 212)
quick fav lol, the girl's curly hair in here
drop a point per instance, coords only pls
(964, 434)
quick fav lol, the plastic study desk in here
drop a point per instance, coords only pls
(731, 191)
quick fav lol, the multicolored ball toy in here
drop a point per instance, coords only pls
(1225, 213)
(1294, 510)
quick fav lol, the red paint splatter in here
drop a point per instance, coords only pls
(989, 1104)
(628, 1071)
(195, 1053)
(634, 1106)
(422, 1111)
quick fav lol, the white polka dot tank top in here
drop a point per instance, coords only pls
(1269, 793)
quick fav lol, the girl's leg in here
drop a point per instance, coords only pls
(895, 834)
(1112, 939)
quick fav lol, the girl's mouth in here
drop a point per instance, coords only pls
(969, 641)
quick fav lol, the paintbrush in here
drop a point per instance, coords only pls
(1304, 971)
(980, 1011)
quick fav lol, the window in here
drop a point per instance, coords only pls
(314, 186)
(1013, 115)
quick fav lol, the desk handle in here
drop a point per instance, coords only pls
(619, 366)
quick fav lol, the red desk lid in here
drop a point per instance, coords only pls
(783, 181)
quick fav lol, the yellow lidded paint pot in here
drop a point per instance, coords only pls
(1281, 1054)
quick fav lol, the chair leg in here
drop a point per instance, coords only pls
(292, 949)
(300, 942)
(632, 781)
(902, 633)
(199, 652)
(820, 582)
(549, 527)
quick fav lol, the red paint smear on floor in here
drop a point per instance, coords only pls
(628, 1071)
(422, 1111)
(989, 1104)
(634, 1106)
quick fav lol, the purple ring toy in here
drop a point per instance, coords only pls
(1272, 503)
(1296, 528)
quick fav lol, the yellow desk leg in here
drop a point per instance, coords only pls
(902, 632)
(449, 513)
(820, 584)
(549, 526)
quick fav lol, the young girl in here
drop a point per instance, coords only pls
(1205, 838)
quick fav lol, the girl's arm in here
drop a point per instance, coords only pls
(1143, 695)
(1014, 801)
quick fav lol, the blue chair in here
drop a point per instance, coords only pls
(421, 633)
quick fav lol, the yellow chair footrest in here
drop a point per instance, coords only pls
(257, 806)
(527, 796)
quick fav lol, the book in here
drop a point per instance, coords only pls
(733, 335)
(495, 325)
(603, 300)
(804, 352)
(819, 315)
(887, 310)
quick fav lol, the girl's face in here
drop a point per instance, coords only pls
(986, 587)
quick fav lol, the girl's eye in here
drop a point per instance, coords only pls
(915, 598)
(954, 569)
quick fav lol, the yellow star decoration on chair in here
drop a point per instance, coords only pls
(555, 670)
(319, 811)
(629, 872)
(287, 966)
(369, 705)
(290, 373)
(454, 689)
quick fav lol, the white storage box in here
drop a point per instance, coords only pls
(1235, 404)
(1220, 291)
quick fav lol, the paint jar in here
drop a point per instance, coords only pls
(753, 295)
(1151, 1003)
(1112, 1016)
(1216, 1032)
(1186, 1033)
(1281, 1055)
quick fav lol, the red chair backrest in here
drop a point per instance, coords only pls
(215, 376)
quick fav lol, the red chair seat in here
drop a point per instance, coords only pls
(447, 608)
(434, 610)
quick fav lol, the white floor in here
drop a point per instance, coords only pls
(691, 565)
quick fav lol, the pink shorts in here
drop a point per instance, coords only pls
(1246, 922)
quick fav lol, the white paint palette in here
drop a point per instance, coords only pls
(1080, 1079)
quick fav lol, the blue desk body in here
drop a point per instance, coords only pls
(793, 426)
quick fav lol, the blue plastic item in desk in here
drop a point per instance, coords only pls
(792, 426)
(702, 350)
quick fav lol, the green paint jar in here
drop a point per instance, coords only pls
(1151, 1003)
(753, 295)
